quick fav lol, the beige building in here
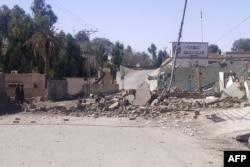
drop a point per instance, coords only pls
(33, 84)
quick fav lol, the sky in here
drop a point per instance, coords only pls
(139, 23)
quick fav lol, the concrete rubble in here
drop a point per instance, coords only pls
(121, 105)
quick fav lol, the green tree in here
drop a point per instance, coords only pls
(117, 53)
(160, 58)
(101, 56)
(128, 57)
(68, 62)
(146, 62)
(214, 49)
(153, 51)
(5, 16)
(107, 44)
(19, 27)
(44, 17)
(81, 37)
(44, 44)
(241, 45)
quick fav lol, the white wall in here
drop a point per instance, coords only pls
(75, 84)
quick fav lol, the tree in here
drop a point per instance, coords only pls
(152, 50)
(44, 17)
(5, 16)
(214, 49)
(17, 28)
(101, 56)
(160, 58)
(81, 37)
(241, 45)
(107, 44)
(44, 44)
(128, 57)
(117, 53)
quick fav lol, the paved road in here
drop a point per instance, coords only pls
(230, 120)
(134, 79)
(94, 143)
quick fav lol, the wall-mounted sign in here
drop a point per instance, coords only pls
(190, 50)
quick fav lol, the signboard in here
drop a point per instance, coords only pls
(190, 49)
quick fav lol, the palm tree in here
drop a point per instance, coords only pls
(101, 59)
(44, 44)
(101, 56)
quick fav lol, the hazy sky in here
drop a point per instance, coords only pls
(139, 23)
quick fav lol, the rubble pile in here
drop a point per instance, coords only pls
(121, 105)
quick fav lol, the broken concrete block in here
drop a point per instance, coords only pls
(90, 101)
(132, 118)
(154, 102)
(143, 109)
(132, 91)
(124, 93)
(185, 105)
(102, 100)
(130, 98)
(32, 106)
(31, 110)
(163, 110)
(234, 90)
(65, 119)
(96, 115)
(32, 121)
(244, 104)
(114, 105)
(197, 113)
(243, 138)
(15, 121)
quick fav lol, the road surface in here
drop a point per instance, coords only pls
(133, 78)
(102, 142)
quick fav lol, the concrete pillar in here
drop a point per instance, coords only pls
(221, 81)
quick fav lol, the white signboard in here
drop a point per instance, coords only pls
(190, 49)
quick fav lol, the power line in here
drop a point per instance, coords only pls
(71, 14)
(234, 28)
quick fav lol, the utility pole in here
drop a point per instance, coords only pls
(198, 74)
(122, 76)
(201, 28)
(177, 48)
(87, 53)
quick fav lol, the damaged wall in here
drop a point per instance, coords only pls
(75, 85)
(185, 77)
(57, 89)
(100, 89)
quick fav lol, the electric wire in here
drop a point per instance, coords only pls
(71, 14)
(234, 28)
